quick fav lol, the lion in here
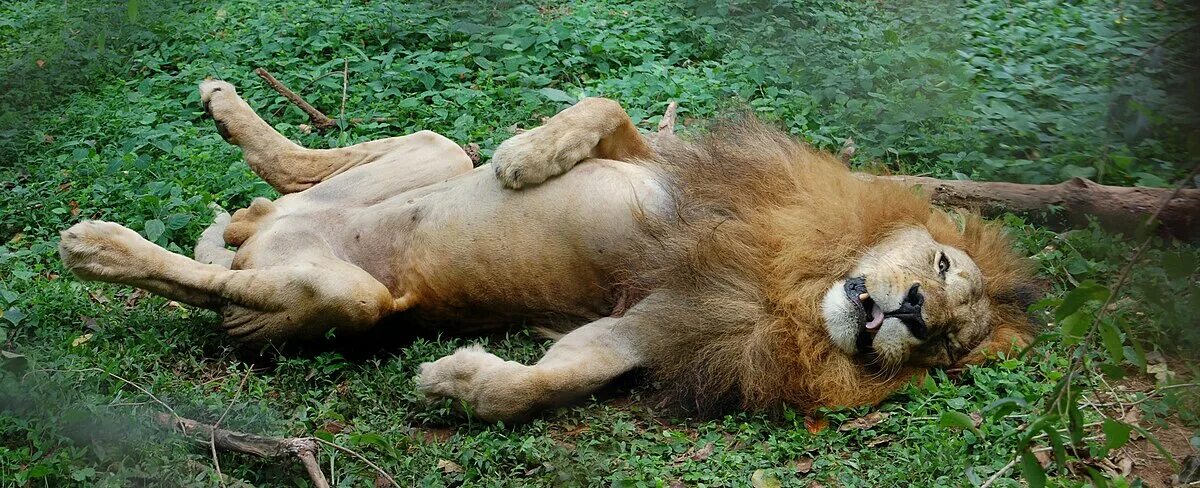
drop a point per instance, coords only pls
(741, 269)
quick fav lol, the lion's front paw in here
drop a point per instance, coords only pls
(103, 250)
(532, 157)
(492, 387)
(453, 376)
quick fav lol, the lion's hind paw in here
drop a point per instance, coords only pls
(101, 250)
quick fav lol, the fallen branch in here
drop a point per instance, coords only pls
(1070, 203)
(303, 448)
(317, 119)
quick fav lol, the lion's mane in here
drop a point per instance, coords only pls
(761, 227)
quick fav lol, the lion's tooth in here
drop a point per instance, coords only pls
(863, 297)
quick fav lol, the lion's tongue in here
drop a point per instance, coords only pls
(876, 317)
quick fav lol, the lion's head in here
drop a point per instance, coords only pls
(909, 300)
(782, 278)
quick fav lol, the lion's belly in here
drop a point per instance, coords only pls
(474, 252)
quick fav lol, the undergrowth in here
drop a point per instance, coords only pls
(100, 119)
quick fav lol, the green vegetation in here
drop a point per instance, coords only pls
(100, 118)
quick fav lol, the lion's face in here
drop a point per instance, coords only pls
(909, 301)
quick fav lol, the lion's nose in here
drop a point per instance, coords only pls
(909, 311)
(914, 298)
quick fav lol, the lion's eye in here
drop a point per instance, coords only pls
(943, 264)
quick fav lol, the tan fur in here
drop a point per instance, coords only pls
(704, 262)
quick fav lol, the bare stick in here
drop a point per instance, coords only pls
(304, 448)
(319, 120)
(1000, 472)
(345, 87)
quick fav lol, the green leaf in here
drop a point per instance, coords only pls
(1074, 326)
(956, 420)
(154, 229)
(1112, 341)
(1075, 420)
(1003, 406)
(1085, 292)
(557, 95)
(1098, 478)
(1055, 438)
(1032, 470)
(1116, 434)
(14, 315)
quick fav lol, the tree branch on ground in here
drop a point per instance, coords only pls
(303, 448)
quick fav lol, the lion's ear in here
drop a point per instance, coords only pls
(1005, 338)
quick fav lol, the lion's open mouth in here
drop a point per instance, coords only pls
(856, 292)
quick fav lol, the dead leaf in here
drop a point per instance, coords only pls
(449, 467)
(803, 465)
(382, 482)
(1133, 416)
(576, 430)
(74, 208)
(881, 440)
(333, 427)
(136, 296)
(436, 434)
(1160, 371)
(976, 419)
(305, 128)
(81, 340)
(97, 296)
(695, 454)
(1044, 458)
(864, 422)
(90, 324)
(676, 484)
(48, 138)
(41, 63)
(816, 425)
(762, 479)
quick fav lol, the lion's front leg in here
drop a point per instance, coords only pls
(592, 128)
(575, 366)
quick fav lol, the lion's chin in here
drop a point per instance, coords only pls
(843, 318)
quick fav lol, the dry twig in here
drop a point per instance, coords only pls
(318, 119)
(303, 448)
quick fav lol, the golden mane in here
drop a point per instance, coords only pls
(763, 226)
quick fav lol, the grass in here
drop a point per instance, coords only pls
(100, 119)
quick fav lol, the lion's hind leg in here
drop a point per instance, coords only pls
(290, 168)
(576, 365)
(302, 300)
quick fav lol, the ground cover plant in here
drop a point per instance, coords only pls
(100, 118)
